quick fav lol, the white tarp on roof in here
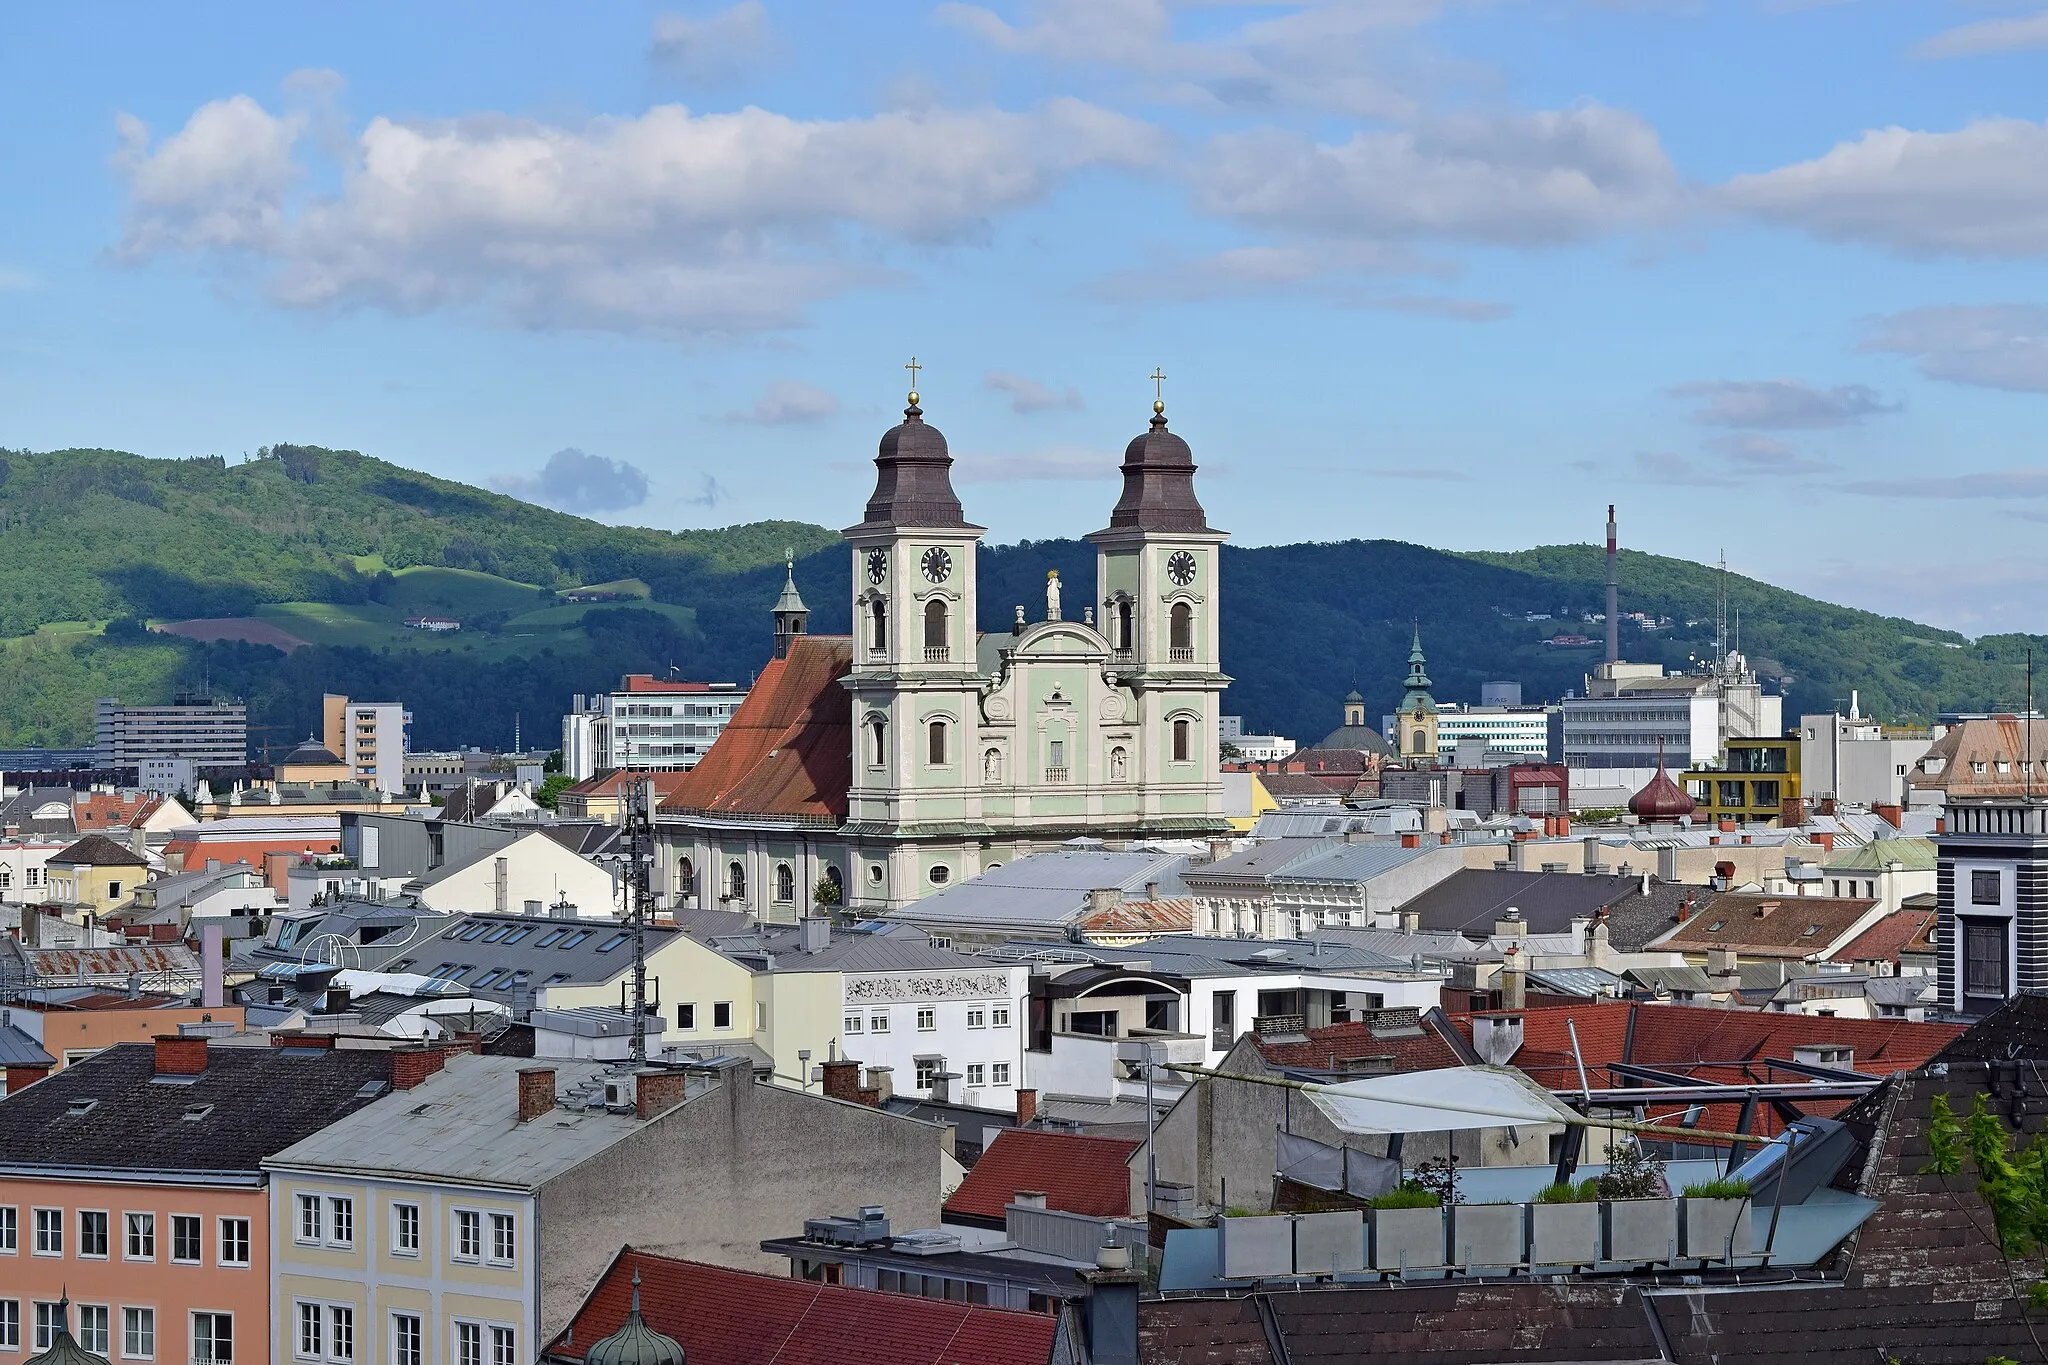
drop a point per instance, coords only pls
(1453, 1099)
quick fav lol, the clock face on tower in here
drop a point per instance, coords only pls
(878, 566)
(937, 564)
(1181, 568)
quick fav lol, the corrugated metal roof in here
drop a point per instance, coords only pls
(18, 1049)
(1349, 863)
(1046, 890)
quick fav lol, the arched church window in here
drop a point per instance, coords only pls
(935, 744)
(785, 883)
(1183, 741)
(686, 879)
(735, 881)
(1181, 631)
(1421, 741)
(832, 876)
(992, 767)
(878, 625)
(1119, 764)
(1123, 625)
(935, 628)
(878, 742)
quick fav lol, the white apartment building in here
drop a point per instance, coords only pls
(211, 733)
(1253, 748)
(371, 737)
(1856, 760)
(1514, 729)
(649, 725)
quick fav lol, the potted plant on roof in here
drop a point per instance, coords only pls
(1486, 1235)
(1714, 1219)
(1564, 1224)
(1641, 1216)
(1407, 1223)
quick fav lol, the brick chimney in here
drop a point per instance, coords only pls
(1891, 815)
(1027, 1105)
(177, 1056)
(411, 1065)
(1411, 840)
(21, 1076)
(1727, 824)
(842, 1079)
(536, 1092)
(1826, 840)
(657, 1091)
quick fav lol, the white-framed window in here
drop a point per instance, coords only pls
(405, 1229)
(999, 1016)
(976, 1074)
(469, 1235)
(94, 1332)
(10, 1230)
(185, 1248)
(10, 1324)
(311, 1223)
(213, 1338)
(721, 1014)
(504, 1346)
(49, 1233)
(341, 1221)
(408, 1343)
(139, 1242)
(504, 1239)
(341, 1332)
(927, 1071)
(999, 1073)
(138, 1334)
(878, 1023)
(850, 1024)
(234, 1241)
(976, 1016)
(312, 1340)
(760, 1016)
(927, 1019)
(47, 1317)
(92, 1234)
(469, 1343)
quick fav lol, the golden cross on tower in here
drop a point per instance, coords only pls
(913, 367)
(1158, 378)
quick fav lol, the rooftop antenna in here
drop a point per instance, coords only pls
(2027, 759)
(634, 885)
(1721, 614)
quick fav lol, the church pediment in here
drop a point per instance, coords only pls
(1067, 639)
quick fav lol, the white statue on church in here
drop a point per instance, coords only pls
(1052, 594)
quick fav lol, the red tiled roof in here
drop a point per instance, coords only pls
(737, 1317)
(614, 783)
(1088, 1175)
(1329, 1048)
(1886, 939)
(647, 682)
(113, 810)
(1768, 926)
(788, 750)
(1716, 1046)
(1167, 915)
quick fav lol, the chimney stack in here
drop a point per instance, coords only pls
(656, 1091)
(176, 1056)
(817, 933)
(536, 1092)
(842, 1079)
(1514, 982)
(1613, 591)
(1027, 1106)
(411, 1065)
(212, 959)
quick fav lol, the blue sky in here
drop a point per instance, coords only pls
(1767, 274)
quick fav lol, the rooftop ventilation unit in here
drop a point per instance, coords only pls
(926, 1242)
(870, 1228)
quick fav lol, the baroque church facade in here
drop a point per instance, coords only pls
(921, 751)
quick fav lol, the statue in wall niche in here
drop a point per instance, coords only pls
(1052, 594)
(1116, 764)
(992, 766)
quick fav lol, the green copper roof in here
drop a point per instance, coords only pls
(791, 599)
(1416, 690)
(1912, 855)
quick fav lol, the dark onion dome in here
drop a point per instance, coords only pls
(66, 1351)
(635, 1343)
(1362, 738)
(1159, 483)
(913, 486)
(1661, 799)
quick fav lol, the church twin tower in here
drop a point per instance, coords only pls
(967, 750)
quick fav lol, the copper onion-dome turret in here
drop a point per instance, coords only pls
(1661, 799)
(635, 1343)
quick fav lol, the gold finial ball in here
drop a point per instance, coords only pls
(1159, 407)
(913, 398)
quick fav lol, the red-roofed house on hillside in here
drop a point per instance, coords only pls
(1089, 1175)
(921, 751)
(735, 1317)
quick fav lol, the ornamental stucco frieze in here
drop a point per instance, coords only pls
(889, 990)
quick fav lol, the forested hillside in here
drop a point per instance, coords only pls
(329, 552)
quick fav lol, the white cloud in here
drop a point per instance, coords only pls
(577, 482)
(1762, 454)
(788, 401)
(716, 47)
(1028, 395)
(671, 221)
(2015, 34)
(2000, 346)
(1775, 404)
(1262, 269)
(1325, 54)
(1524, 179)
(1979, 191)
(2003, 484)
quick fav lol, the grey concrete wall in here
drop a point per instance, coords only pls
(710, 1180)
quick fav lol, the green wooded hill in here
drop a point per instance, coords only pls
(315, 558)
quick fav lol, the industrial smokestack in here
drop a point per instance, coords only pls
(1613, 592)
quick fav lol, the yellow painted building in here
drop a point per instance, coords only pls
(1760, 777)
(95, 874)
